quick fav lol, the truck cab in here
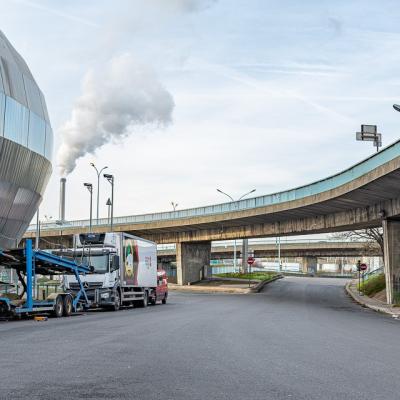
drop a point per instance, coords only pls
(101, 283)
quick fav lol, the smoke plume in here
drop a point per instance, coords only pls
(114, 102)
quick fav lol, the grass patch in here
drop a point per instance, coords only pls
(373, 285)
(259, 276)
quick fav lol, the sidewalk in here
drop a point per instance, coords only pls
(374, 304)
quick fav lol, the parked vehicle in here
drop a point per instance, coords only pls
(161, 293)
(125, 270)
(29, 264)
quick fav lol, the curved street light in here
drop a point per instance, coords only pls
(110, 179)
(245, 241)
(98, 188)
(89, 187)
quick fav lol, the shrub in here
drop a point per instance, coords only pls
(374, 285)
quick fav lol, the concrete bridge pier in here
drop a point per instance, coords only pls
(391, 238)
(192, 261)
(309, 265)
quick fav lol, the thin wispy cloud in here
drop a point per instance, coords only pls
(57, 13)
(260, 86)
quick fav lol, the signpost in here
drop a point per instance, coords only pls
(250, 262)
(361, 267)
(370, 133)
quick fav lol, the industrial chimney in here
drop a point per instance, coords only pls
(62, 199)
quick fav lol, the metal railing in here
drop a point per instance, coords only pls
(387, 154)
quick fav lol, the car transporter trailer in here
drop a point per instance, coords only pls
(28, 263)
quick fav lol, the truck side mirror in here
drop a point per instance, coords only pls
(114, 262)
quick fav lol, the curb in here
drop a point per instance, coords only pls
(216, 289)
(205, 289)
(258, 288)
(385, 309)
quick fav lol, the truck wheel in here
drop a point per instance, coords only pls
(67, 305)
(145, 300)
(117, 301)
(58, 307)
(164, 300)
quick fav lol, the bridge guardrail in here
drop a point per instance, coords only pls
(387, 154)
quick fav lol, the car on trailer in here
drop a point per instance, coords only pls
(28, 264)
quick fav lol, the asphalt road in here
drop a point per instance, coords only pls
(302, 338)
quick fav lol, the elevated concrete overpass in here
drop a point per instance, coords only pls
(364, 195)
(290, 250)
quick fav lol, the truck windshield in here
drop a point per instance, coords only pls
(98, 261)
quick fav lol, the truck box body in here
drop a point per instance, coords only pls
(139, 262)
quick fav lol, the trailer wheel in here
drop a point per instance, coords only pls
(58, 307)
(67, 305)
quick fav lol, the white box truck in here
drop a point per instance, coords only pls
(125, 269)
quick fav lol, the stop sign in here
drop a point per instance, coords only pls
(363, 267)
(250, 260)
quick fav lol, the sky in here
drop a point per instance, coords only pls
(181, 97)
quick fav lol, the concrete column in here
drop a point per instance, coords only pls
(340, 266)
(192, 259)
(309, 265)
(245, 254)
(391, 239)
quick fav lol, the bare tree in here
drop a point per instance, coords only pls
(371, 236)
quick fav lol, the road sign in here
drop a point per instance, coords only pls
(370, 133)
(363, 267)
(251, 260)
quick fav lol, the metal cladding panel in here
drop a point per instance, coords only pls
(4, 76)
(17, 82)
(33, 97)
(8, 191)
(45, 112)
(23, 178)
(25, 146)
(7, 48)
(17, 87)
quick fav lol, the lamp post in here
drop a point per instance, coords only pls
(89, 187)
(174, 205)
(110, 179)
(245, 241)
(98, 188)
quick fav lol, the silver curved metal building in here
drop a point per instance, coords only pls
(26, 145)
